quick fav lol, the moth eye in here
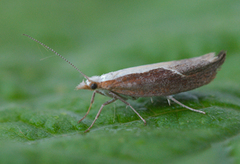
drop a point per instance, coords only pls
(93, 86)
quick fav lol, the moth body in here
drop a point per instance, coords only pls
(160, 79)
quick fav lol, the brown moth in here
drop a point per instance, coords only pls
(160, 79)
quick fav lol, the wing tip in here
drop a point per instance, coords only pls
(221, 57)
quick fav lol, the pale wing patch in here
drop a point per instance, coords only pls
(210, 57)
(139, 69)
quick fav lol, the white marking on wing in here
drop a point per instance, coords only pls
(139, 69)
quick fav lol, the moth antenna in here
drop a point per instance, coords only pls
(57, 55)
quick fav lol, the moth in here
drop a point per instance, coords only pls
(159, 79)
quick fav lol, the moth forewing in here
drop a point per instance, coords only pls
(160, 79)
(166, 78)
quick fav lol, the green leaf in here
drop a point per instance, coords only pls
(39, 108)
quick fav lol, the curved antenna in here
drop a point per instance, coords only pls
(57, 55)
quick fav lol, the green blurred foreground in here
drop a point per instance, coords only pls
(40, 109)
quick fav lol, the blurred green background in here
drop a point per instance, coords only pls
(40, 109)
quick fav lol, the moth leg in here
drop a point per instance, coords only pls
(151, 99)
(169, 102)
(125, 102)
(92, 100)
(104, 104)
(173, 99)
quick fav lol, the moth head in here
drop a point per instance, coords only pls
(91, 83)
